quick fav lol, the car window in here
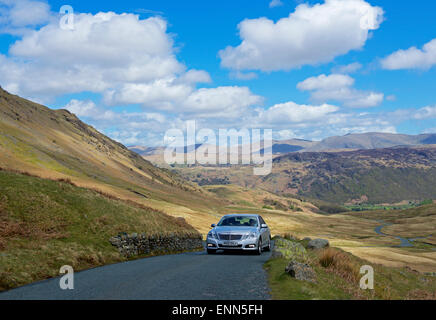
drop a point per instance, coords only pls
(261, 220)
(238, 221)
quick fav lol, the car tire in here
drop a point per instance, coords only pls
(269, 245)
(259, 248)
(211, 251)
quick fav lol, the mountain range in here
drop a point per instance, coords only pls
(355, 141)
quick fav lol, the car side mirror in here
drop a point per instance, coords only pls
(213, 225)
(263, 226)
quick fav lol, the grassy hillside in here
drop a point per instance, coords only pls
(372, 176)
(56, 144)
(45, 224)
(338, 277)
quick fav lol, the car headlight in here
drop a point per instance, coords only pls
(251, 235)
(212, 235)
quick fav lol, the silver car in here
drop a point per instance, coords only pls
(247, 232)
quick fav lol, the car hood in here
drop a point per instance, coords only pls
(237, 230)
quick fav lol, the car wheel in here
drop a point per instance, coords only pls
(268, 248)
(211, 251)
(259, 248)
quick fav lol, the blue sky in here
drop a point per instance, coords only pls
(277, 71)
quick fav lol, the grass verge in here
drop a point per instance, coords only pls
(46, 224)
(338, 278)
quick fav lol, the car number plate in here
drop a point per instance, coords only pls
(231, 243)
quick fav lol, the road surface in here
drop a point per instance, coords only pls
(188, 276)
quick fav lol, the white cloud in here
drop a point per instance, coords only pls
(430, 130)
(221, 102)
(290, 112)
(126, 59)
(412, 58)
(17, 15)
(338, 87)
(323, 82)
(286, 135)
(275, 3)
(143, 128)
(309, 36)
(81, 108)
(104, 51)
(424, 113)
(346, 69)
(88, 109)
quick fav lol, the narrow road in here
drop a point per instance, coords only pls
(189, 276)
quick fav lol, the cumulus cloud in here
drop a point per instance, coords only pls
(292, 120)
(17, 15)
(338, 87)
(412, 58)
(88, 109)
(286, 135)
(309, 36)
(126, 59)
(222, 101)
(81, 108)
(104, 51)
(428, 112)
(291, 112)
(130, 128)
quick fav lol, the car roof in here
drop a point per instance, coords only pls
(241, 214)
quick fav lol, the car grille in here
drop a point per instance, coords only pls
(230, 236)
(226, 246)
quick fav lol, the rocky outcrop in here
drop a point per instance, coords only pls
(318, 244)
(288, 249)
(137, 244)
(301, 271)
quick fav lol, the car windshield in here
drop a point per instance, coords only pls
(238, 221)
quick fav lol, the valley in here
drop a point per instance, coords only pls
(65, 189)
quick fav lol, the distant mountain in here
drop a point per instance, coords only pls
(375, 175)
(363, 141)
(372, 141)
(147, 151)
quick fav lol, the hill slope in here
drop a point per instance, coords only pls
(56, 144)
(45, 224)
(374, 176)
